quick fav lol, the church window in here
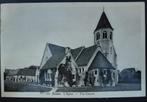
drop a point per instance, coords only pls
(48, 75)
(73, 76)
(98, 36)
(105, 71)
(95, 72)
(111, 35)
(83, 69)
(104, 34)
(80, 70)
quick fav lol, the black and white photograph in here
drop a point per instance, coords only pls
(73, 50)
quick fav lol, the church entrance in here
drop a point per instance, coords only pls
(66, 75)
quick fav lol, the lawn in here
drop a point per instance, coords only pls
(11, 86)
(119, 87)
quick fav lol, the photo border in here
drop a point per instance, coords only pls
(127, 99)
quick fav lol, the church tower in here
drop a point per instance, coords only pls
(103, 37)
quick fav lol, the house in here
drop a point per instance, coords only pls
(95, 65)
(10, 74)
(30, 74)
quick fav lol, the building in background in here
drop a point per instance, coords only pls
(11, 74)
(30, 74)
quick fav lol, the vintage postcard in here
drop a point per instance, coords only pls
(73, 50)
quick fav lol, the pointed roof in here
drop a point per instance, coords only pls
(56, 49)
(103, 22)
(100, 62)
(58, 53)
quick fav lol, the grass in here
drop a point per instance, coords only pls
(119, 87)
(11, 86)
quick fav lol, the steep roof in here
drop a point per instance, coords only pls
(103, 22)
(56, 49)
(27, 71)
(86, 55)
(75, 52)
(58, 53)
(100, 61)
(53, 62)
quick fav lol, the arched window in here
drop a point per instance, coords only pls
(98, 36)
(83, 69)
(79, 70)
(111, 35)
(95, 72)
(49, 75)
(104, 34)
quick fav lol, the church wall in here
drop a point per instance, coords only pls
(112, 57)
(95, 77)
(106, 45)
(37, 75)
(47, 54)
(83, 69)
(81, 73)
(49, 77)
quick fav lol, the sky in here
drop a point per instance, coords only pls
(26, 28)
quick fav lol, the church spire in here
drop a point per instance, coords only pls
(103, 22)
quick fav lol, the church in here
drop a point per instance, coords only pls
(95, 65)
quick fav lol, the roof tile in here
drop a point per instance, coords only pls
(100, 61)
(86, 55)
(103, 22)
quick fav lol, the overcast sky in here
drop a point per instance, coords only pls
(26, 28)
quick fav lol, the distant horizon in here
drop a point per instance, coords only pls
(26, 28)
